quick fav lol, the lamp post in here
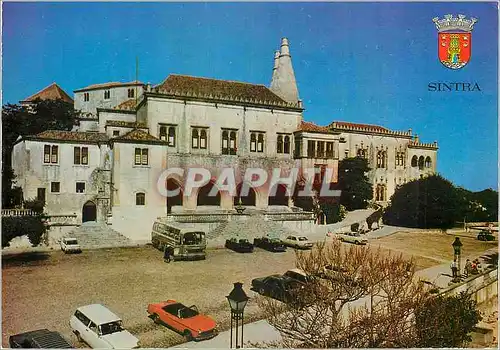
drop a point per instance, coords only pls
(457, 247)
(237, 301)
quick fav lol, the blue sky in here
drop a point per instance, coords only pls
(358, 62)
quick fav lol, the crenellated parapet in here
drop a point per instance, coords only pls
(368, 129)
(422, 145)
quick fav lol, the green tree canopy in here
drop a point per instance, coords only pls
(430, 202)
(356, 189)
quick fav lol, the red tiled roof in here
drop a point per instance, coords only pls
(308, 126)
(128, 105)
(125, 124)
(138, 135)
(51, 92)
(58, 135)
(218, 89)
(366, 127)
(109, 85)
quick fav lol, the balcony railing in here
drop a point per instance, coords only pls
(223, 217)
(18, 212)
(62, 220)
(296, 216)
(200, 217)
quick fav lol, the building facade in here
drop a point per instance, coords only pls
(107, 168)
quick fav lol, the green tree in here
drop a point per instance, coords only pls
(481, 206)
(430, 202)
(356, 189)
(446, 322)
(20, 121)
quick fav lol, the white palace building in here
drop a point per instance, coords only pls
(107, 168)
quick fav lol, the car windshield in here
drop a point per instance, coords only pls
(187, 313)
(275, 240)
(191, 238)
(243, 240)
(112, 327)
(71, 241)
(302, 239)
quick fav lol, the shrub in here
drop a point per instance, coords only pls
(17, 226)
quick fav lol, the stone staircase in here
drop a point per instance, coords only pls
(92, 235)
(252, 228)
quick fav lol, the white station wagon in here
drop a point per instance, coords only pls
(100, 328)
(298, 242)
(70, 245)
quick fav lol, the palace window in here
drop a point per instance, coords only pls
(381, 159)
(106, 94)
(116, 133)
(414, 161)
(80, 187)
(329, 150)
(421, 162)
(199, 138)
(256, 141)
(283, 144)
(428, 162)
(400, 158)
(51, 154)
(311, 149)
(131, 92)
(362, 153)
(229, 142)
(141, 156)
(298, 148)
(167, 133)
(286, 146)
(140, 198)
(321, 149)
(279, 147)
(55, 187)
(380, 193)
(86, 97)
(81, 155)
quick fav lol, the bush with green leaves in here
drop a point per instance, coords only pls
(356, 189)
(17, 226)
(446, 322)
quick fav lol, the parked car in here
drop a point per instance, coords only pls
(270, 244)
(338, 274)
(300, 242)
(353, 237)
(39, 339)
(186, 320)
(298, 275)
(70, 245)
(100, 328)
(239, 245)
(485, 236)
(278, 287)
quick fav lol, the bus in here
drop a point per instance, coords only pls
(188, 243)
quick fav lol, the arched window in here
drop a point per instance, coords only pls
(232, 143)
(203, 139)
(280, 144)
(428, 162)
(253, 142)
(195, 139)
(225, 142)
(421, 163)
(362, 153)
(414, 161)
(140, 198)
(171, 136)
(260, 143)
(287, 145)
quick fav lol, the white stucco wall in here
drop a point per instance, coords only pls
(131, 220)
(96, 98)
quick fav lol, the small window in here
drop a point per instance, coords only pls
(81, 155)
(80, 187)
(203, 139)
(141, 156)
(116, 133)
(54, 158)
(46, 154)
(280, 144)
(260, 143)
(140, 198)
(286, 146)
(131, 92)
(195, 138)
(106, 94)
(232, 143)
(171, 136)
(253, 142)
(163, 133)
(55, 187)
(86, 97)
(256, 142)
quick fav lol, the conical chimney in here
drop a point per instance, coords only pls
(283, 82)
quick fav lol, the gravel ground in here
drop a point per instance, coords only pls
(42, 290)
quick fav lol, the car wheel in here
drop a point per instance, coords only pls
(78, 337)
(188, 335)
(155, 318)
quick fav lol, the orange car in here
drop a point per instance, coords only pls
(185, 320)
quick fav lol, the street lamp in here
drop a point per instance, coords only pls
(457, 247)
(237, 301)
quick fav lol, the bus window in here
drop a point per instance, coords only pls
(192, 238)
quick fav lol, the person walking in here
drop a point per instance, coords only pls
(167, 254)
(454, 269)
(468, 268)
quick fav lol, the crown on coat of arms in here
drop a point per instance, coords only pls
(451, 23)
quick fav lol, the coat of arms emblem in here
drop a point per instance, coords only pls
(454, 40)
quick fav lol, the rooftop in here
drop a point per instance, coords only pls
(309, 126)
(367, 127)
(58, 135)
(138, 135)
(109, 85)
(128, 105)
(98, 314)
(51, 92)
(215, 89)
(125, 124)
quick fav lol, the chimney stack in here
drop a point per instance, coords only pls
(283, 81)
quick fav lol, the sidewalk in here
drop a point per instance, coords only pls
(262, 331)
